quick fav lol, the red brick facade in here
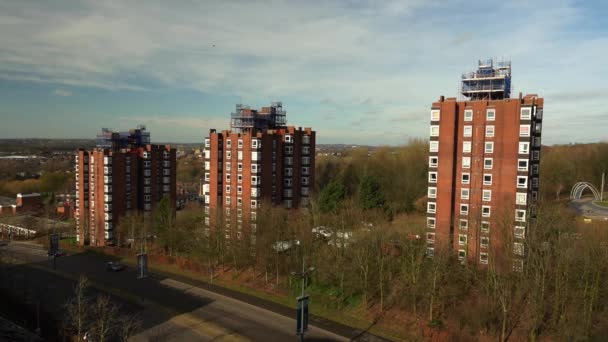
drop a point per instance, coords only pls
(111, 182)
(483, 175)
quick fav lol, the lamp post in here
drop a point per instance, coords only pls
(302, 314)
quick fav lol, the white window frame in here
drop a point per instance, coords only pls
(468, 181)
(228, 155)
(430, 237)
(524, 130)
(462, 254)
(489, 147)
(435, 115)
(228, 143)
(522, 217)
(519, 167)
(227, 178)
(489, 209)
(463, 225)
(431, 222)
(466, 207)
(525, 113)
(466, 147)
(462, 239)
(490, 117)
(521, 198)
(484, 242)
(466, 162)
(434, 130)
(434, 158)
(490, 130)
(485, 226)
(467, 131)
(486, 195)
(465, 193)
(518, 248)
(483, 258)
(485, 165)
(431, 180)
(524, 147)
(519, 232)
(431, 207)
(434, 146)
(227, 200)
(523, 185)
(432, 192)
(484, 179)
(227, 189)
(468, 115)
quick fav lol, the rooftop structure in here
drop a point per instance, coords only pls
(245, 119)
(491, 81)
(132, 138)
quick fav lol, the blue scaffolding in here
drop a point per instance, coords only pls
(491, 81)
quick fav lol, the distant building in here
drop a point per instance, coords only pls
(123, 173)
(260, 159)
(484, 162)
(24, 203)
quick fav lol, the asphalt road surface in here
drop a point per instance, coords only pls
(174, 310)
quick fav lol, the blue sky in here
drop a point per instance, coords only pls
(361, 72)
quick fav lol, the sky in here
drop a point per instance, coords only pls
(358, 72)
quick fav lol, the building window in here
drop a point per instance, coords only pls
(535, 169)
(464, 225)
(288, 172)
(488, 163)
(304, 180)
(466, 162)
(462, 254)
(305, 150)
(489, 131)
(434, 146)
(491, 114)
(487, 179)
(464, 209)
(228, 143)
(535, 155)
(485, 211)
(464, 194)
(435, 130)
(430, 222)
(430, 237)
(466, 178)
(227, 189)
(520, 232)
(239, 178)
(524, 130)
(240, 143)
(489, 147)
(239, 167)
(239, 190)
(462, 239)
(433, 161)
(535, 182)
(435, 115)
(228, 155)
(255, 143)
(487, 195)
(522, 182)
(468, 115)
(483, 258)
(431, 207)
(228, 166)
(484, 242)
(254, 204)
(433, 177)
(287, 182)
(305, 139)
(522, 165)
(485, 226)
(227, 200)
(227, 178)
(526, 113)
(520, 215)
(207, 177)
(430, 252)
(254, 180)
(468, 131)
(524, 148)
(466, 147)
(239, 202)
(288, 138)
(518, 248)
(305, 170)
(432, 192)
(288, 149)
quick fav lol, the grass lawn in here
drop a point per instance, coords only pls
(601, 203)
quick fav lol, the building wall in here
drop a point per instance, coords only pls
(277, 167)
(112, 182)
(485, 234)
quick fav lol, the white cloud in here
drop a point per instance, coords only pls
(62, 92)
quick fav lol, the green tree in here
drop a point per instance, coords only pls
(331, 196)
(370, 194)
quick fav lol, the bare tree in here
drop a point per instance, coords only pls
(78, 309)
(105, 323)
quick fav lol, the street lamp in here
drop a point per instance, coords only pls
(302, 313)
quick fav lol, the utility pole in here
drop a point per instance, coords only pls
(602, 189)
(302, 313)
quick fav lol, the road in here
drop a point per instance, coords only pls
(587, 208)
(174, 310)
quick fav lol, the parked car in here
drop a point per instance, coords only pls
(114, 266)
(322, 231)
(284, 246)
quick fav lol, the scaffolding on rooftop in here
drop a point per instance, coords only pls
(491, 81)
(126, 139)
(245, 119)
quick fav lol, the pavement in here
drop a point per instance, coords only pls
(587, 208)
(175, 309)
